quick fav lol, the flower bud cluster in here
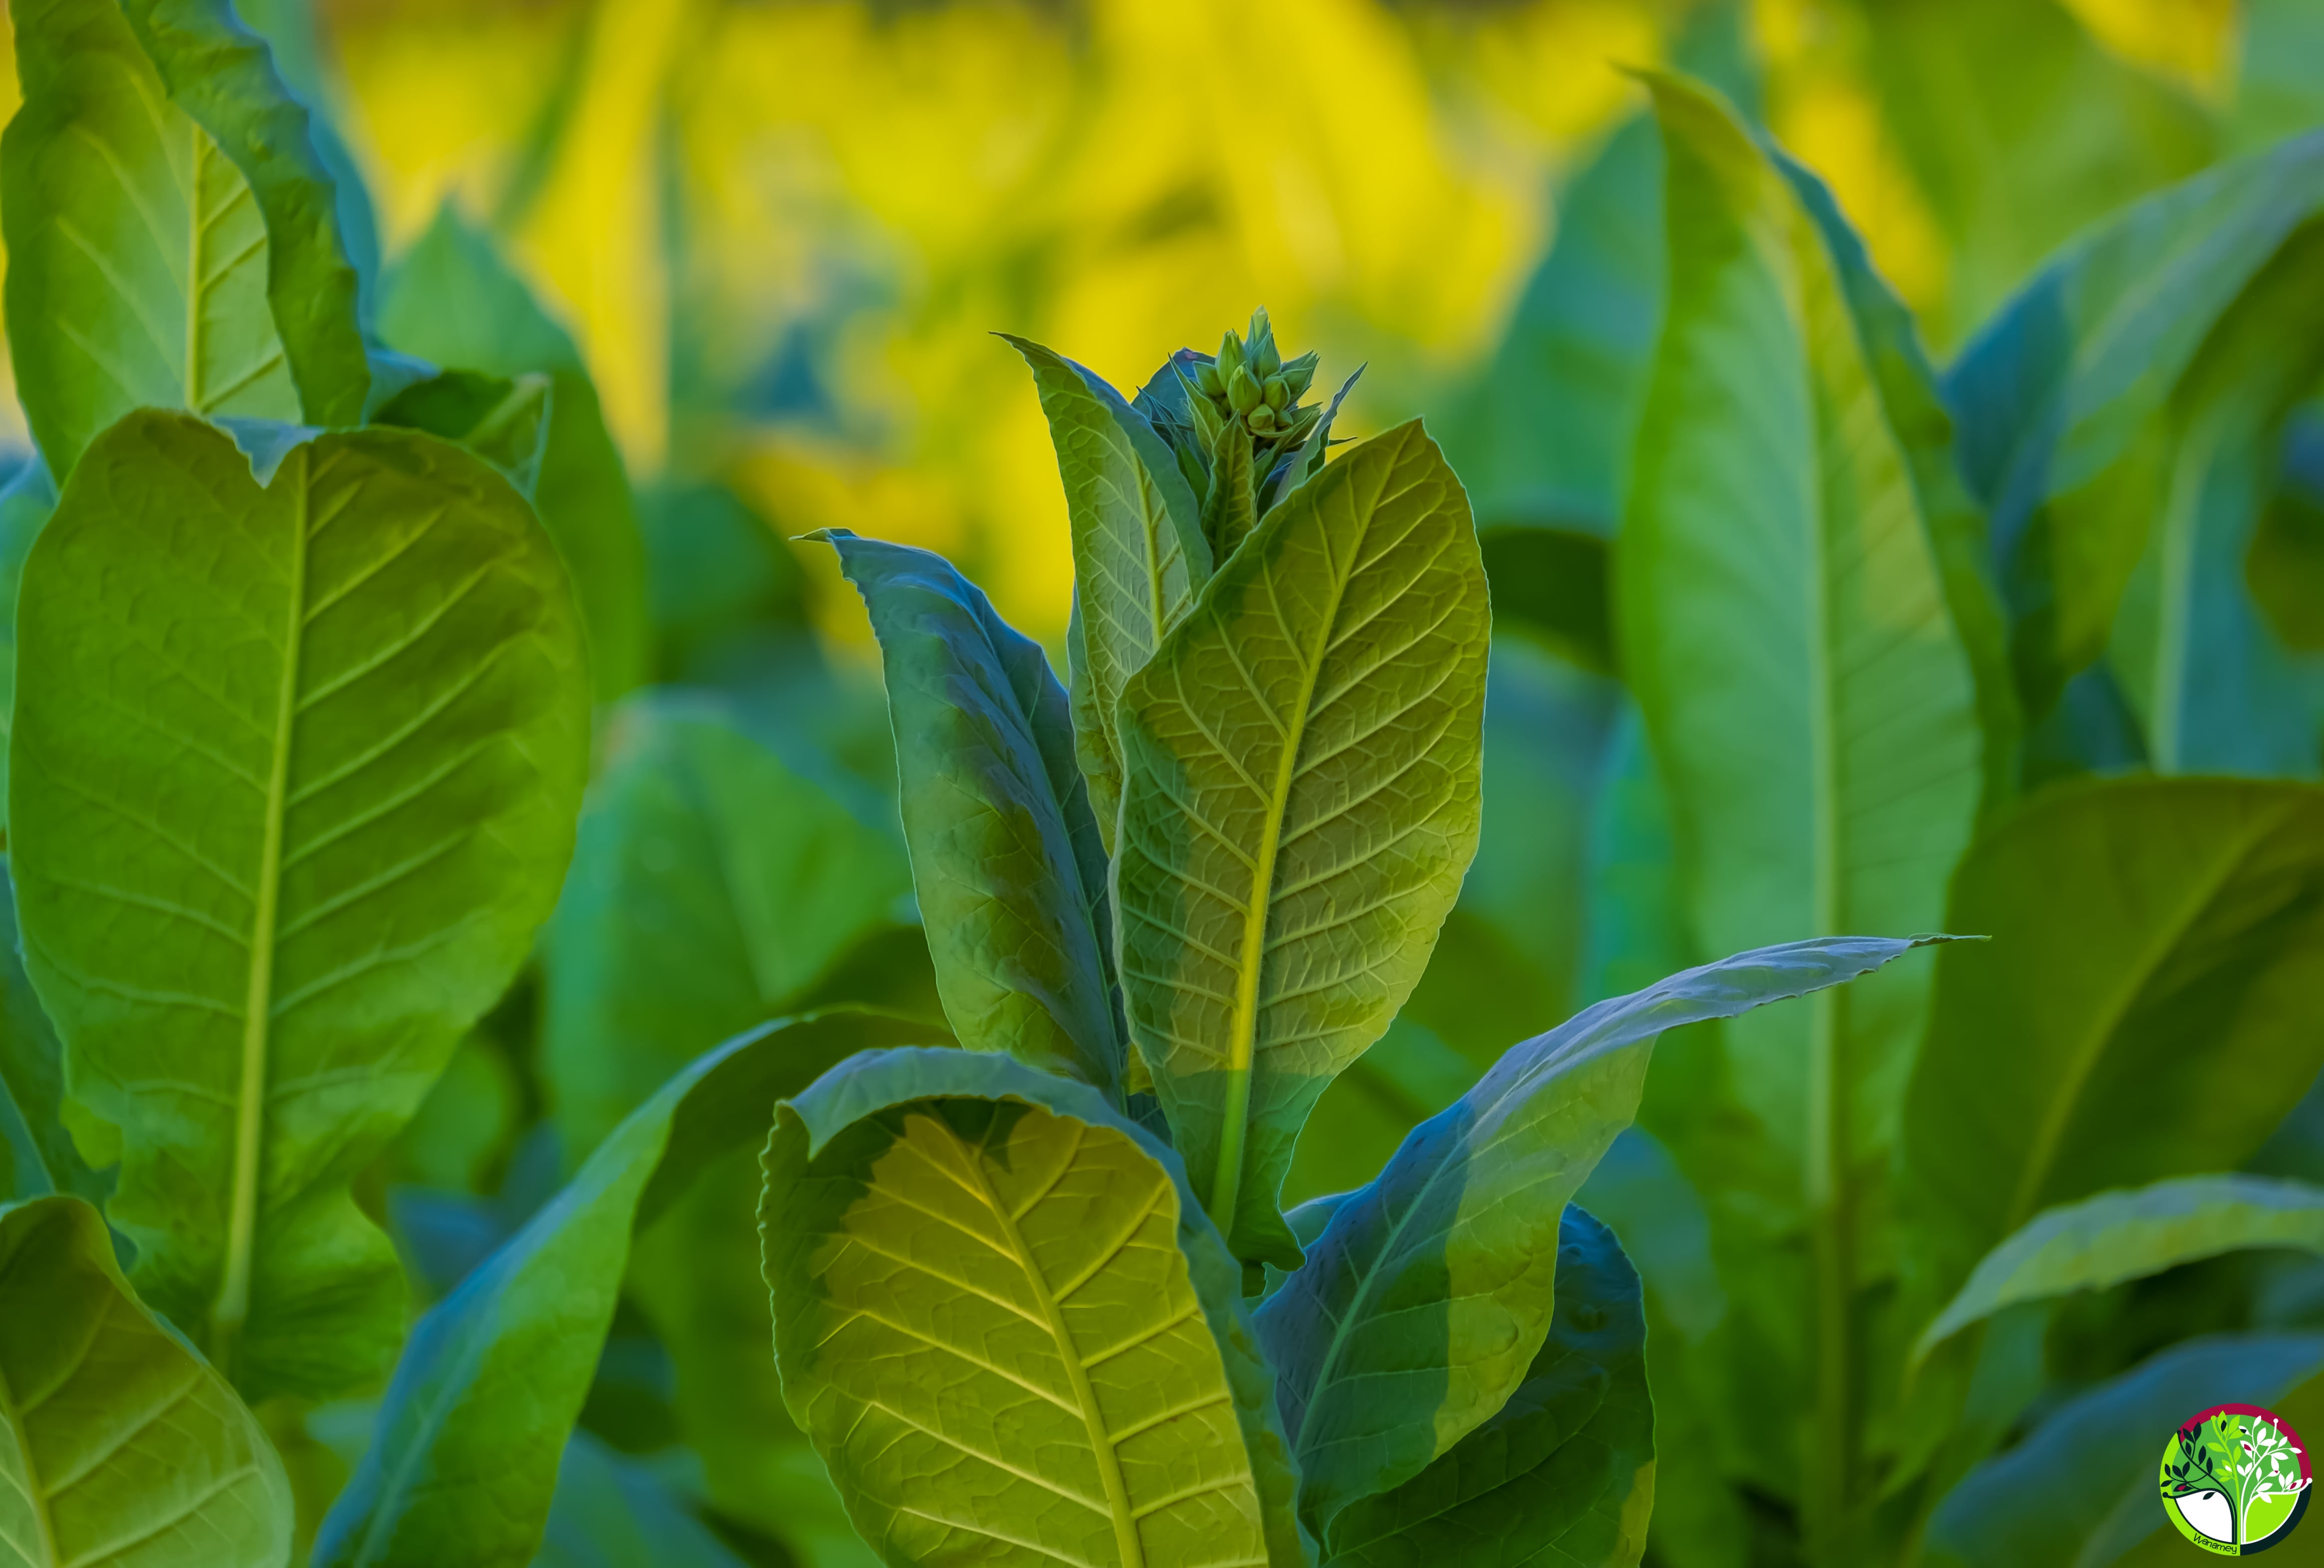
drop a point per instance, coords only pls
(1250, 380)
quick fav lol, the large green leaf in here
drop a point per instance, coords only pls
(1564, 1471)
(464, 1458)
(2065, 398)
(2130, 1234)
(1786, 633)
(2080, 1491)
(293, 780)
(1005, 852)
(712, 887)
(1300, 802)
(2144, 1011)
(1139, 557)
(118, 1446)
(1009, 1328)
(452, 299)
(1426, 1298)
(171, 233)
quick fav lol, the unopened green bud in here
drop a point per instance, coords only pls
(1275, 392)
(1259, 344)
(1242, 391)
(1261, 420)
(1207, 377)
(1300, 373)
(1230, 354)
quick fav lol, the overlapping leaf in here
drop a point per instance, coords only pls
(1009, 1328)
(293, 779)
(118, 1446)
(1299, 804)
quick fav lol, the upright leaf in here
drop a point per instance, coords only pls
(712, 887)
(1005, 851)
(1428, 1293)
(1009, 1329)
(171, 233)
(2129, 1234)
(1564, 1471)
(1785, 630)
(293, 780)
(1139, 557)
(463, 1457)
(452, 300)
(1300, 802)
(117, 1445)
(2062, 397)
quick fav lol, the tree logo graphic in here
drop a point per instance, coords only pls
(2235, 1479)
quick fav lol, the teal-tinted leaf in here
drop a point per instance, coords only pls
(118, 1445)
(1005, 851)
(1429, 1293)
(713, 886)
(41, 1155)
(1139, 557)
(612, 1512)
(2157, 944)
(1785, 630)
(1009, 1329)
(463, 1459)
(293, 780)
(25, 503)
(2130, 1234)
(171, 233)
(2080, 1491)
(503, 420)
(1300, 803)
(1637, 929)
(1563, 1472)
(723, 586)
(1231, 505)
(452, 299)
(1317, 451)
(1544, 436)
(2063, 397)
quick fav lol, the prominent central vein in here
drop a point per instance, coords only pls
(1109, 1462)
(45, 1530)
(194, 273)
(233, 1305)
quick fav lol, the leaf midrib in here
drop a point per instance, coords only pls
(45, 1536)
(232, 1308)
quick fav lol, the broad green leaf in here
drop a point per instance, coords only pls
(713, 886)
(2064, 398)
(119, 1447)
(1564, 1471)
(1139, 557)
(294, 778)
(2128, 1235)
(463, 1457)
(503, 420)
(2185, 980)
(1005, 852)
(1429, 1293)
(1009, 1329)
(1300, 802)
(2079, 1491)
(1230, 506)
(452, 299)
(1787, 633)
(1543, 439)
(25, 503)
(612, 1512)
(171, 233)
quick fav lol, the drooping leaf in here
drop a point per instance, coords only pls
(2129, 1234)
(1786, 633)
(172, 236)
(118, 1446)
(2156, 944)
(1300, 802)
(503, 420)
(1139, 557)
(452, 299)
(1005, 852)
(2081, 1489)
(463, 1456)
(293, 779)
(712, 887)
(1007, 1327)
(1563, 1472)
(1429, 1293)
(2062, 397)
